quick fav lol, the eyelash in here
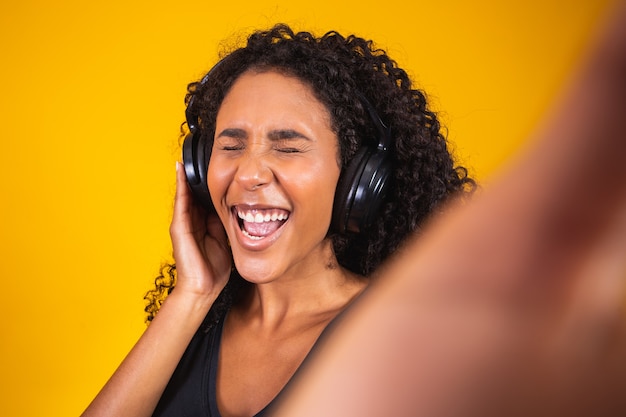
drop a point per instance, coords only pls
(288, 150)
(279, 149)
(232, 148)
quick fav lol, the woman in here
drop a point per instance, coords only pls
(286, 122)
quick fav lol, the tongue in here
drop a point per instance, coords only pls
(261, 229)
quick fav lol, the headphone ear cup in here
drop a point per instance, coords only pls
(196, 163)
(361, 191)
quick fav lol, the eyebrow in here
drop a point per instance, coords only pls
(233, 133)
(286, 134)
(274, 135)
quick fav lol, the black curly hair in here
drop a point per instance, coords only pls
(340, 70)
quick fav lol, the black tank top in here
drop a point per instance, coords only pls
(191, 391)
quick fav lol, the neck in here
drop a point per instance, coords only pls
(310, 293)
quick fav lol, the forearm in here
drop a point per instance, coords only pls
(136, 386)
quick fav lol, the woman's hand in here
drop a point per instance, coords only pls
(203, 258)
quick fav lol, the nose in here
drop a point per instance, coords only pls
(253, 171)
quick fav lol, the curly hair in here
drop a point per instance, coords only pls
(339, 71)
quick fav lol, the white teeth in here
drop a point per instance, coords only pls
(260, 218)
(252, 237)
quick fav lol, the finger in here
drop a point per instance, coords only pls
(182, 198)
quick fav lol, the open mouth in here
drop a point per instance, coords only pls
(257, 224)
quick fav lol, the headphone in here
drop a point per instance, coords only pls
(363, 183)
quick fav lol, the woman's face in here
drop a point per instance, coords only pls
(272, 176)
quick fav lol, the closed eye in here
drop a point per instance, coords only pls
(289, 141)
(232, 148)
(231, 140)
(230, 144)
(288, 150)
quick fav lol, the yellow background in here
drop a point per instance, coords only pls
(91, 99)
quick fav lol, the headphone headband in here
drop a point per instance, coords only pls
(384, 132)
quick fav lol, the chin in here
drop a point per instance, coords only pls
(256, 272)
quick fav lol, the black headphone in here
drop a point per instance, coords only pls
(195, 157)
(361, 190)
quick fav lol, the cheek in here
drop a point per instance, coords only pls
(217, 180)
(318, 189)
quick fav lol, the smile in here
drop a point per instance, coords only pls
(257, 224)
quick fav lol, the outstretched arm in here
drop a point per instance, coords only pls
(513, 304)
(203, 267)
